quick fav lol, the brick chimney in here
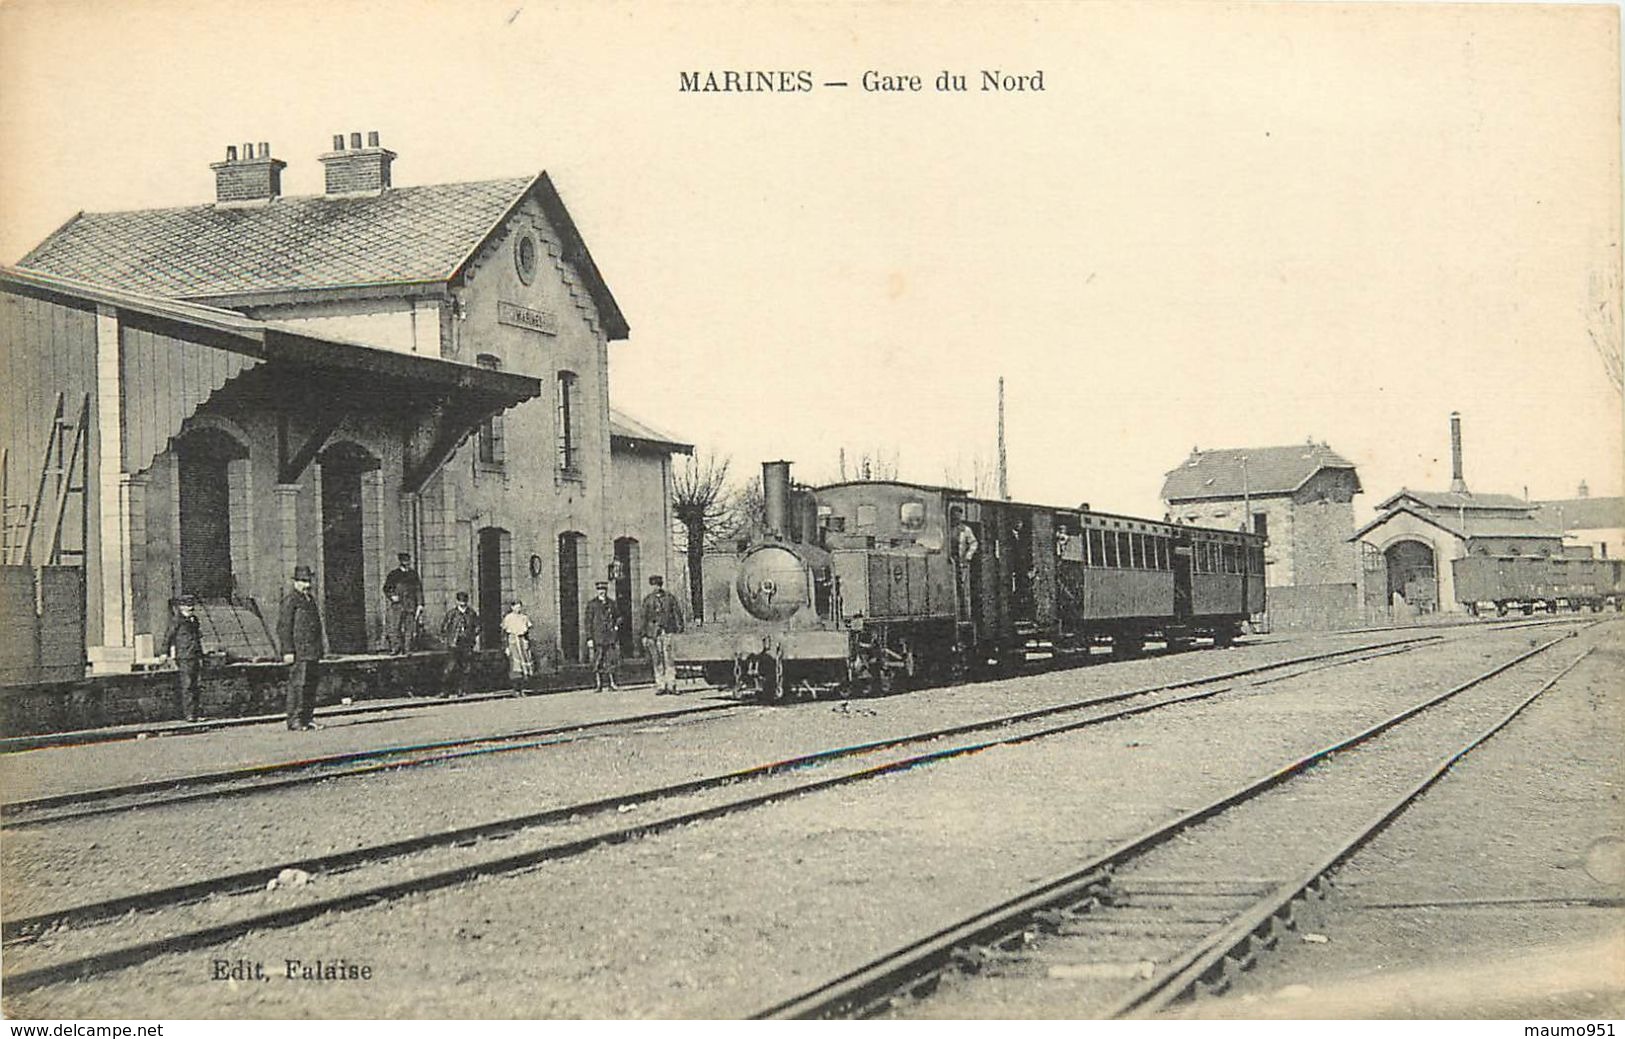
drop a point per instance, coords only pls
(1458, 485)
(252, 176)
(357, 170)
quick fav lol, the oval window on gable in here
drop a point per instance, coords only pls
(524, 258)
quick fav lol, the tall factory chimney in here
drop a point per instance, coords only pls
(1458, 485)
(776, 496)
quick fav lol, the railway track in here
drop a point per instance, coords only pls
(1179, 909)
(461, 855)
(259, 779)
(269, 778)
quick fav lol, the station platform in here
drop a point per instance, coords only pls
(122, 755)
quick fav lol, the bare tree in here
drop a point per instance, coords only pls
(869, 464)
(979, 475)
(701, 507)
(748, 504)
(1602, 323)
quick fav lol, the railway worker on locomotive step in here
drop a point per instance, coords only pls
(299, 630)
(662, 616)
(184, 641)
(602, 644)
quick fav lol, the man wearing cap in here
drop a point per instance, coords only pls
(299, 630)
(662, 616)
(184, 642)
(461, 633)
(602, 644)
(403, 590)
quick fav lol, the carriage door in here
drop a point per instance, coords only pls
(1182, 561)
(1019, 564)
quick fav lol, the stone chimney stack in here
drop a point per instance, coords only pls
(357, 170)
(249, 176)
(1458, 485)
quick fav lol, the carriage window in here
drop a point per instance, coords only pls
(1069, 545)
(1135, 550)
(1162, 553)
(1097, 548)
(1123, 549)
(911, 515)
(1111, 548)
(866, 517)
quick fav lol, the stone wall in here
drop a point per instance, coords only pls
(230, 691)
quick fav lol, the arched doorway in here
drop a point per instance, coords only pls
(1413, 574)
(626, 588)
(203, 460)
(344, 582)
(572, 554)
(492, 549)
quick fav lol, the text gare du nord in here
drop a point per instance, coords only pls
(731, 81)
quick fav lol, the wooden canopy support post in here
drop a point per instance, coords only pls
(328, 419)
(442, 429)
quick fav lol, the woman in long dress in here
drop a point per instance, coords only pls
(516, 632)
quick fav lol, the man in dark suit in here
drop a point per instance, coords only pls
(662, 617)
(461, 633)
(602, 625)
(403, 590)
(184, 643)
(299, 629)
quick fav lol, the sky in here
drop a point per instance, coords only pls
(1216, 225)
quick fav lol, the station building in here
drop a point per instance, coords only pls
(328, 380)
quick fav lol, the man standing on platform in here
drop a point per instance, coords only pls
(662, 616)
(602, 644)
(403, 589)
(461, 633)
(184, 641)
(299, 629)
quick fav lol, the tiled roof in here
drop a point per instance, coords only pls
(1269, 470)
(308, 242)
(1585, 513)
(635, 433)
(1451, 501)
(1467, 525)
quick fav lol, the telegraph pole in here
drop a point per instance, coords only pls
(1004, 473)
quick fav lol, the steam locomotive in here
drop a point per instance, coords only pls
(1530, 583)
(862, 586)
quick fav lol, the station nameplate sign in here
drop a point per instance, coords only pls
(541, 321)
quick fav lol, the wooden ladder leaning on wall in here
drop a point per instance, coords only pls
(64, 473)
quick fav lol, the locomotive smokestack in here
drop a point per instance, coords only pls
(1458, 485)
(776, 496)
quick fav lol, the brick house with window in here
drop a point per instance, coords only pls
(1300, 497)
(490, 275)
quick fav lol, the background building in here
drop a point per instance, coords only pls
(1408, 547)
(1587, 522)
(1300, 497)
